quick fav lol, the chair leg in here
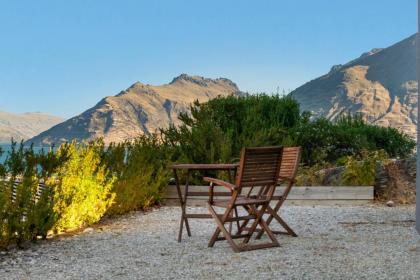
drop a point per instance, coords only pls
(260, 221)
(270, 234)
(245, 223)
(285, 225)
(236, 214)
(187, 225)
(256, 222)
(230, 223)
(214, 237)
(274, 215)
(270, 218)
(181, 225)
(221, 227)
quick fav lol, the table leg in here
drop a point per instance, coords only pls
(181, 201)
(187, 225)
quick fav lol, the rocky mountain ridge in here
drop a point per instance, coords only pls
(380, 85)
(140, 109)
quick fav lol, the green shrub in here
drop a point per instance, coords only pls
(326, 141)
(216, 131)
(4, 232)
(141, 172)
(24, 216)
(361, 171)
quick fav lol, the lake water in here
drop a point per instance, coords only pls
(7, 147)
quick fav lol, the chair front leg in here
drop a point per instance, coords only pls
(273, 214)
(283, 224)
(259, 215)
(221, 228)
(245, 223)
(214, 237)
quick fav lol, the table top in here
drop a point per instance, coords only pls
(205, 166)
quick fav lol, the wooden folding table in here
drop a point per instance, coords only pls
(230, 168)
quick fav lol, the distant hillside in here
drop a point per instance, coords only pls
(381, 85)
(140, 109)
(24, 126)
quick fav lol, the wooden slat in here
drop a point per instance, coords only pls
(254, 161)
(306, 202)
(290, 161)
(205, 166)
(251, 183)
(257, 168)
(191, 194)
(297, 193)
(198, 216)
(264, 175)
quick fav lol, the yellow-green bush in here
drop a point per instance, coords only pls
(83, 193)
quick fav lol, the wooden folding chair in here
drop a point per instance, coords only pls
(258, 168)
(288, 170)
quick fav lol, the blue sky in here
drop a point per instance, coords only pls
(62, 57)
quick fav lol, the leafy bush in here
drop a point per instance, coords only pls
(24, 215)
(326, 141)
(360, 171)
(83, 182)
(216, 131)
(141, 172)
(83, 193)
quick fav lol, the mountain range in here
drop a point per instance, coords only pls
(140, 109)
(24, 126)
(380, 85)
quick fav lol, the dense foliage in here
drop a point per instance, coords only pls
(141, 173)
(360, 171)
(25, 213)
(83, 190)
(216, 131)
(85, 181)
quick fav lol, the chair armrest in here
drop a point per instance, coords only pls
(218, 182)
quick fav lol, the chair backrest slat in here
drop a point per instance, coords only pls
(259, 166)
(290, 162)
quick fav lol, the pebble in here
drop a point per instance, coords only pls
(89, 229)
(390, 203)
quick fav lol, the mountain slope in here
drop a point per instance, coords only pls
(24, 126)
(381, 85)
(141, 109)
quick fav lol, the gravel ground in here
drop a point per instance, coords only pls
(365, 242)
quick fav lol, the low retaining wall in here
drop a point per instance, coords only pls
(312, 195)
